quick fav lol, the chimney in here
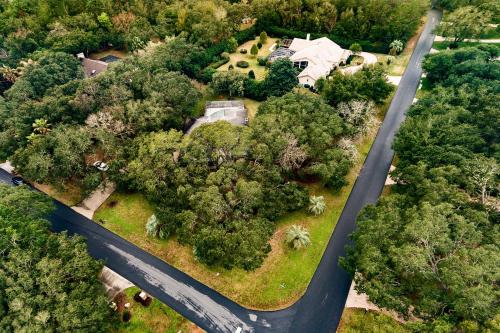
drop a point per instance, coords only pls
(308, 37)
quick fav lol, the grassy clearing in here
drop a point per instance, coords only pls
(157, 318)
(398, 64)
(491, 33)
(285, 274)
(260, 71)
(444, 45)
(69, 194)
(252, 107)
(361, 321)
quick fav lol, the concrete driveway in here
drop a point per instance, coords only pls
(369, 59)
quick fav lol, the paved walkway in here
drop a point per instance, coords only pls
(394, 79)
(113, 282)
(359, 301)
(88, 206)
(369, 59)
(7, 166)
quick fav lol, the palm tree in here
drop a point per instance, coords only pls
(41, 126)
(298, 237)
(396, 47)
(32, 137)
(152, 226)
(317, 205)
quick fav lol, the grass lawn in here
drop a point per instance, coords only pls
(491, 33)
(70, 194)
(444, 45)
(252, 107)
(398, 65)
(285, 274)
(260, 71)
(361, 321)
(157, 318)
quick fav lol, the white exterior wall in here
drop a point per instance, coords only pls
(307, 80)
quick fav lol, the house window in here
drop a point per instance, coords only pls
(300, 64)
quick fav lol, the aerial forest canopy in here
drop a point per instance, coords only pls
(48, 282)
(74, 26)
(431, 248)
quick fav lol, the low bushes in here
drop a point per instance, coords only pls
(262, 61)
(242, 64)
(219, 63)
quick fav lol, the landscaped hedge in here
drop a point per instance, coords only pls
(242, 64)
(219, 63)
(198, 65)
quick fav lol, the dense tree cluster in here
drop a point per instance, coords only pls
(48, 282)
(217, 189)
(431, 248)
(220, 188)
(301, 132)
(281, 79)
(84, 26)
(368, 84)
(451, 5)
(378, 21)
(53, 122)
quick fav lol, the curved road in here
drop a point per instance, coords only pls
(320, 309)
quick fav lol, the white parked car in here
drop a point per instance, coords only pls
(101, 166)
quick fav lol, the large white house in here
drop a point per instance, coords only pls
(316, 57)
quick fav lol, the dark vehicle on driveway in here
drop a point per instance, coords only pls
(17, 181)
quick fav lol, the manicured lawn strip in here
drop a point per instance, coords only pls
(157, 318)
(69, 194)
(260, 71)
(252, 107)
(283, 277)
(362, 321)
(491, 33)
(398, 65)
(444, 45)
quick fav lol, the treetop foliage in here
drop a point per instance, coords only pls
(430, 248)
(48, 281)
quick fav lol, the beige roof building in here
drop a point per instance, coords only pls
(317, 57)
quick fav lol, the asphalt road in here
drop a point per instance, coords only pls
(320, 309)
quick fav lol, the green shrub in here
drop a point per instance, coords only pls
(254, 50)
(355, 48)
(263, 37)
(259, 45)
(262, 61)
(251, 74)
(219, 63)
(242, 64)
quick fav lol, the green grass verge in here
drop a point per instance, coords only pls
(156, 318)
(260, 71)
(361, 321)
(444, 45)
(285, 274)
